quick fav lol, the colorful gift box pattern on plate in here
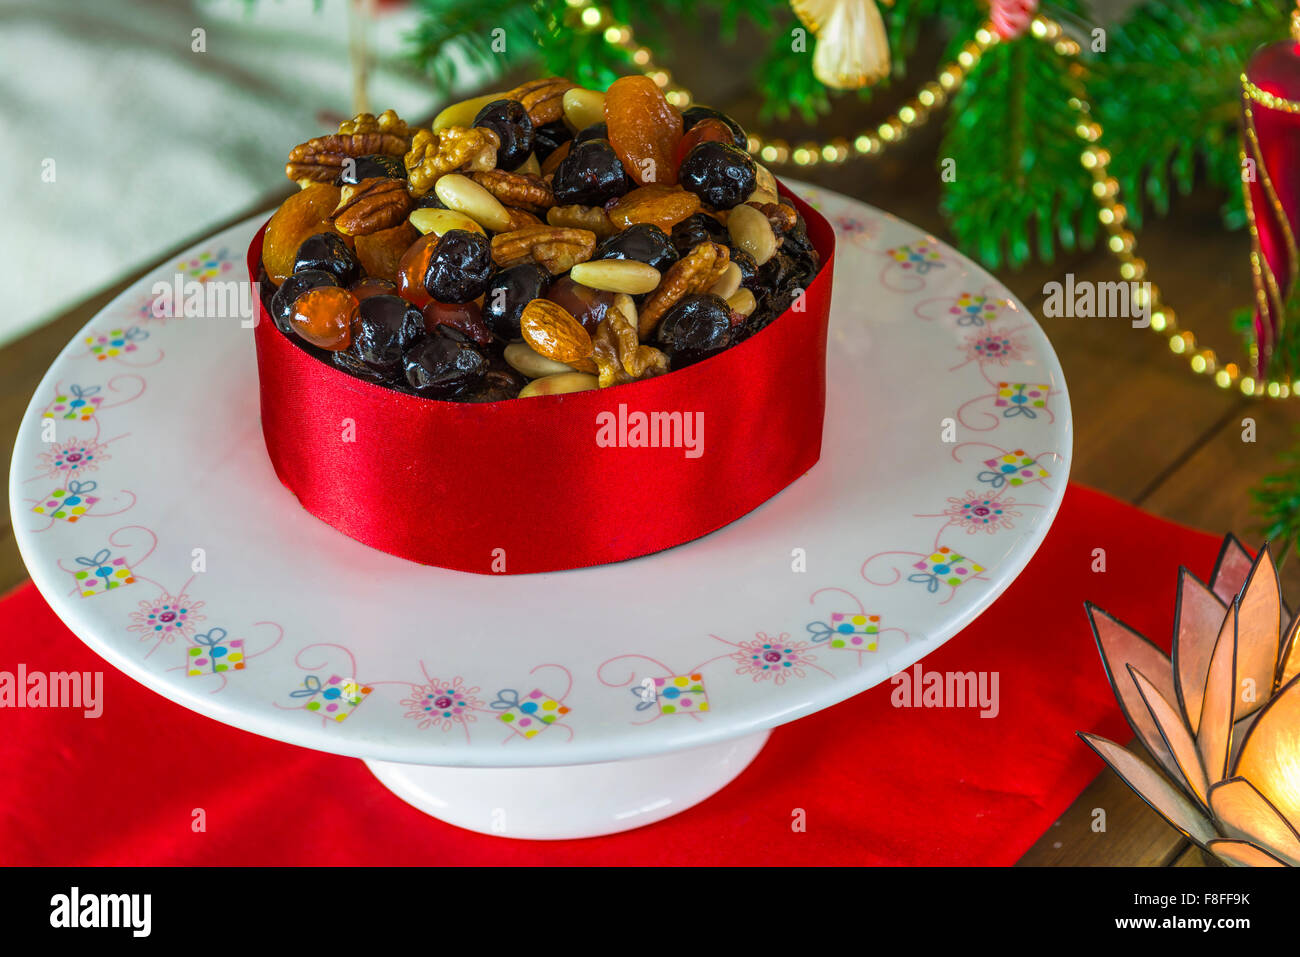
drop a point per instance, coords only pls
(335, 699)
(530, 716)
(100, 573)
(921, 257)
(1021, 398)
(206, 265)
(946, 566)
(677, 694)
(972, 310)
(77, 403)
(851, 630)
(214, 652)
(115, 342)
(68, 504)
(1015, 469)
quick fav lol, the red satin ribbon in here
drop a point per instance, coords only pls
(523, 485)
(1272, 143)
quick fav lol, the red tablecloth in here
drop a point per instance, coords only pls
(878, 784)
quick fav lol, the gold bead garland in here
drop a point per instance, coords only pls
(915, 112)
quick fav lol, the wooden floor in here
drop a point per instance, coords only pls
(1146, 430)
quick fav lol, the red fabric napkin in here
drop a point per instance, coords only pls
(877, 784)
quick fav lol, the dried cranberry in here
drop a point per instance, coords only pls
(696, 229)
(697, 113)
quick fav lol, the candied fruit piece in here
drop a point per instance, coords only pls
(323, 316)
(585, 304)
(466, 317)
(303, 214)
(644, 129)
(413, 266)
(705, 131)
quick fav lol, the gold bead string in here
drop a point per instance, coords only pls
(1112, 213)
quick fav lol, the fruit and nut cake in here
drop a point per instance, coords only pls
(551, 239)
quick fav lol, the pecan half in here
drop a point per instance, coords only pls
(696, 271)
(593, 218)
(558, 249)
(320, 159)
(434, 154)
(371, 205)
(520, 190)
(386, 122)
(519, 218)
(663, 206)
(543, 99)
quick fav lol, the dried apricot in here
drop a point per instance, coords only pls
(644, 129)
(381, 252)
(303, 214)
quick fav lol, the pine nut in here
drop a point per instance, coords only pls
(582, 107)
(616, 275)
(559, 384)
(525, 360)
(742, 301)
(530, 166)
(751, 231)
(439, 221)
(463, 195)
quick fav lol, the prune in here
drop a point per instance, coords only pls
(643, 242)
(500, 382)
(384, 328)
(696, 229)
(596, 131)
(708, 130)
(507, 294)
(429, 200)
(367, 167)
(323, 316)
(443, 364)
(509, 121)
(585, 304)
(463, 316)
(459, 267)
(590, 175)
(282, 302)
(328, 252)
(547, 139)
(748, 268)
(353, 366)
(695, 328)
(696, 114)
(720, 174)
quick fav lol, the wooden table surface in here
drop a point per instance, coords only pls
(1146, 430)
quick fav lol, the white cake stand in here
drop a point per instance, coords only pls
(559, 705)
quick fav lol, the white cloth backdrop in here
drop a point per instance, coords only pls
(151, 142)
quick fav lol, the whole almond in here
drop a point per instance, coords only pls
(553, 332)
